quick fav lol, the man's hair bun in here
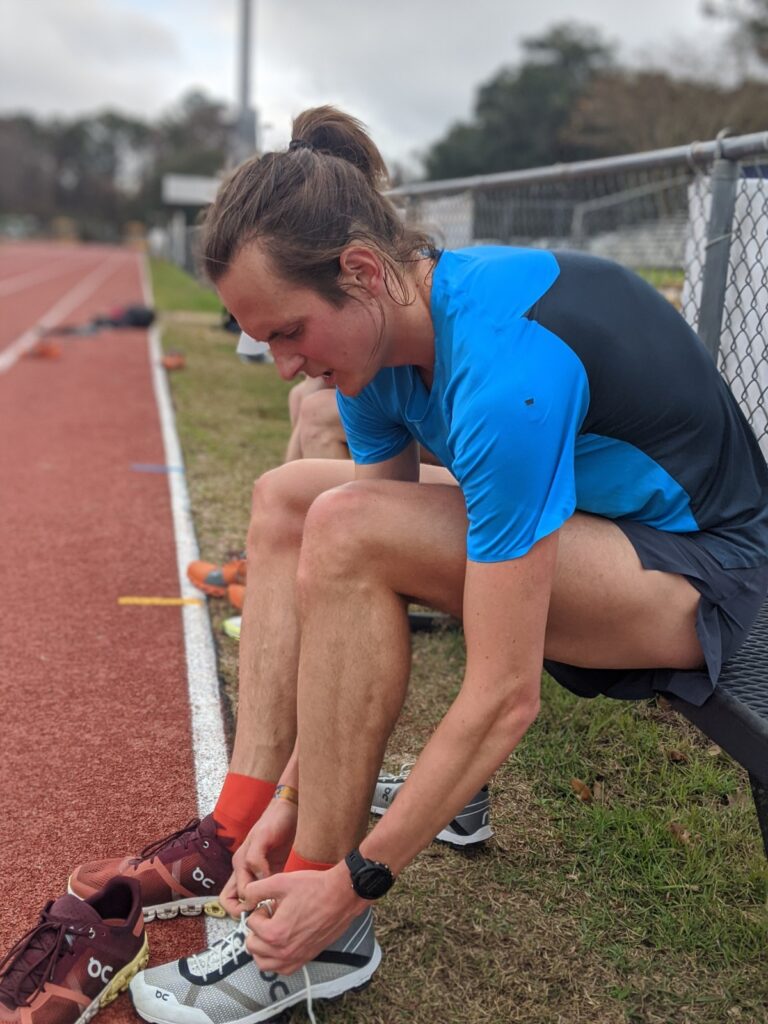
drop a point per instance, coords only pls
(328, 130)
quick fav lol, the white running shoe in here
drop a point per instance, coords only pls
(469, 827)
(223, 985)
(231, 626)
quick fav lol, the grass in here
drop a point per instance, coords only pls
(176, 291)
(663, 277)
(576, 912)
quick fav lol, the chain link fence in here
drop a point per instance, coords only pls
(694, 219)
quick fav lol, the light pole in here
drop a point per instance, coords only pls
(245, 134)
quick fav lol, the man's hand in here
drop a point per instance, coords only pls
(312, 909)
(263, 853)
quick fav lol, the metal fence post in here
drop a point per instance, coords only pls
(725, 175)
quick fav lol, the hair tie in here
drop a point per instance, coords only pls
(300, 144)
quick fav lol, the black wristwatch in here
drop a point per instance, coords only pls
(370, 879)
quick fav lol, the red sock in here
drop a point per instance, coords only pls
(241, 803)
(296, 862)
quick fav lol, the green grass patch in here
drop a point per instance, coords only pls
(663, 277)
(581, 912)
(177, 291)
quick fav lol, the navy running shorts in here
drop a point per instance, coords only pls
(730, 601)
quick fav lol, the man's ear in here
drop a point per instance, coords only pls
(361, 267)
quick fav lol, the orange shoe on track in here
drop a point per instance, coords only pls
(214, 579)
(236, 595)
(45, 350)
(180, 873)
(77, 958)
(173, 361)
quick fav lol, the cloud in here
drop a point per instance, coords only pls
(82, 55)
(408, 68)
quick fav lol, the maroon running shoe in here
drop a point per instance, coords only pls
(181, 873)
(79, 957)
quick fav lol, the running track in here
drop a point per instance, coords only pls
(96, 755)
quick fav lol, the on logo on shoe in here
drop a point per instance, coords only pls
(199, 876)
(96, 970)
(277, 989)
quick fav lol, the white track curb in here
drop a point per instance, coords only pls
(207, 724)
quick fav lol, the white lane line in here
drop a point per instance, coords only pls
(17, 283)
(53, 316)
(208, 743)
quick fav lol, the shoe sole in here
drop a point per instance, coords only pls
(119, 983)
(193, 907)
(189, 907)
(326, 990)
(480, 835)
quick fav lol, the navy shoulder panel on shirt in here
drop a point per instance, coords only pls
(653, 385)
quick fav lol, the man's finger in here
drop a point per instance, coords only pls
(267, 906)
(243, 878)
(228, 897)
(274, 887)
(232, 905)
(259, 868)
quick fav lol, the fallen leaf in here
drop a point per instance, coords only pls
(676, 757)
(598, 791)
(581, 789)
(682, 835)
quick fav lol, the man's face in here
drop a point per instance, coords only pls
(304, 331)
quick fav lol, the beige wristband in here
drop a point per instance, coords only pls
(283, 792)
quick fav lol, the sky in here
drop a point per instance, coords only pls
(408, 68)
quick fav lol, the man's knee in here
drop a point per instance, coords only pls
(278, 505)
(337, 535)
(320, 429)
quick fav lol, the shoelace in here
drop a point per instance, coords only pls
(31, 963)
(217, 956)
(182, 837)
(398, 776)
(310, 1012)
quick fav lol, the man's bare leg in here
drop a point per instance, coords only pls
(269, 642)
(368, 543)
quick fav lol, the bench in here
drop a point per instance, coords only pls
(736, 715)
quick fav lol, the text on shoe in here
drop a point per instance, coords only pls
(96, 970)
(199, 876)
(277, 989)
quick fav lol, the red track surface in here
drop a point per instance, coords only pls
(95, 758)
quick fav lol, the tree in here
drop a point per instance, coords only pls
(628, 112)
(105, 169)
(99, 161)
(520, 114)
(27, 169)
(193, 138)
(750, 21)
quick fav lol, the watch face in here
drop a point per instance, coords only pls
(372, 882)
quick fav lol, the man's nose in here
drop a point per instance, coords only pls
(288, 365)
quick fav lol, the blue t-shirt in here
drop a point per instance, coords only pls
(565, 382)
